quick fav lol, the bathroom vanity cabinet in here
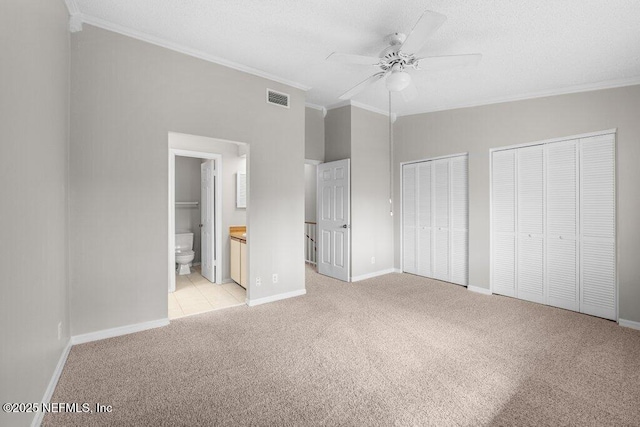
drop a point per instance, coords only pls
(238, 257)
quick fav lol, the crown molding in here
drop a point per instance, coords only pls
(72, 7)
(608, 84)
(106, 25)
(370, 108)
(314, 106)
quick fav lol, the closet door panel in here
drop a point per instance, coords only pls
(562, 274)
(503, 205)
(459, 220)
(562, 225)
(531, 269)
(424, 219)
(597, 234)
(441, 220)
(503, 273)
(409, 201)
(530, 202)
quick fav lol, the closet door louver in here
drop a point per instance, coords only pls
(503, 184)
(562, 225)
(409, 201)
(442, 217)
(435, 219)
(424, 219)
(530, 196)
(597, 226)
(459, 220)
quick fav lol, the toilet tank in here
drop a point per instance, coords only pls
(184, 241)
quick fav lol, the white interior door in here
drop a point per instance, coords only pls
(562, 225)
(441, 241)
(334, 219)
(530, 190)
(503, 217)
(459, 220)
(207, 220)
(424, 220)
(409, 220)
(598, 226)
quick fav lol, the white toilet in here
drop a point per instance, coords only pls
(184, 252)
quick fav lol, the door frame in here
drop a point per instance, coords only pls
(409, 162)
(217, 197)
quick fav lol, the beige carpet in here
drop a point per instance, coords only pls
(394, 350)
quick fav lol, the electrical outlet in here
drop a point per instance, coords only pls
(373, 260)
(59, 331)
(258, 281)
(275, 278)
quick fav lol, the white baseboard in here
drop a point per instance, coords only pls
(483, 291)
(397, 270)
(115, 332)
(374, 274)
(629, 324)
(48, 393)
(278, 297)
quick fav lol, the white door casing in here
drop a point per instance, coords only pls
(207, 223)
(334, 219)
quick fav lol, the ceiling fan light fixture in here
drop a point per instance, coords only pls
(398, 80)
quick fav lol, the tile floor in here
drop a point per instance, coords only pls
(195, 294)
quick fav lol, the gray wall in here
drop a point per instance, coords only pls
(476, 130)
(310, 192)
(126, 97)
(188, 190)
(313, 134)
(362, 136)
(232, 163)
(371, 222)
(34, 117)
(337, 134)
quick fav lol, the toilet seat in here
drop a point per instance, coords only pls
(183, 253)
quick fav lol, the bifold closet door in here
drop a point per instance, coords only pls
(424, 219)
(503, 195)
(435, 219)
(562, 225)
(598, 227)
(459, 220)
(416, 218)
(441, 240)
(409, 223)
(530, 214)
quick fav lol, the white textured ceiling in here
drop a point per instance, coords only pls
(530, 48)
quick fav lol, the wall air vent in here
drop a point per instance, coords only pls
(277, 98)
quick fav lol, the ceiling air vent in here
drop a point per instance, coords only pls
(277, 98)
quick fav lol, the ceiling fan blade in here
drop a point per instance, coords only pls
(435, 63)
(410, 92)
(347, 58)
(428, 24)
(362, 86)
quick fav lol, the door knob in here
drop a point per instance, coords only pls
(345, 226)
(200, 225)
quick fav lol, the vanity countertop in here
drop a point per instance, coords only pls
(238, 233)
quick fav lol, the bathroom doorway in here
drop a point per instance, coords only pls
(204, 206)
(197, 218)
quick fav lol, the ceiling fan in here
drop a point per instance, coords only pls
(400, 55)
